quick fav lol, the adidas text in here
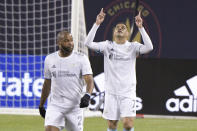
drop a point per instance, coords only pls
(185, 105)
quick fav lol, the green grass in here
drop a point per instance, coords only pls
(36, 123)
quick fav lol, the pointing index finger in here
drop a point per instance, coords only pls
(139, 13)
(101, 10)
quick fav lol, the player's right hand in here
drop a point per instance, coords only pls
(100, 17)
(138, 20)
(85, 101)
(42, 111)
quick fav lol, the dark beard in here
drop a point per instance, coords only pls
(66, 50)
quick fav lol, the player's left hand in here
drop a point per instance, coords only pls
(138, 20)
(42, 111)
(100, 17)
(85, 101)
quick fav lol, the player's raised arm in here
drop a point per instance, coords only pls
(148, 46)
(90, 37)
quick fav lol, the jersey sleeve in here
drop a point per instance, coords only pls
(86, 67)
(147, 46)
(97, 46)
(47, 73)
(137, 47)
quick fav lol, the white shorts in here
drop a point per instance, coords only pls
(117, 107)
(71, 119)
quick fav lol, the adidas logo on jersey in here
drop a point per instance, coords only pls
(187, 98)
(53, 66)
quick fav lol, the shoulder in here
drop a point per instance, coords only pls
(109, 42)
(135, 44)
(106, 42)
(51, 56)
(78, 54)
(80, 57)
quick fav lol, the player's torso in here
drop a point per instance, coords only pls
(119, 62)
(66, 81)
(65, 68)
(120, 57)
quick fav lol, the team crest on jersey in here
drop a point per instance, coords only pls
(122, 11)
(111, 53)
(110, 56)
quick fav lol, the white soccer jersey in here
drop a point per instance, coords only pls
(66, 78)
(119, 62)
(119, 67)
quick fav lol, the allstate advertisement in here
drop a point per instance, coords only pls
(21, 80)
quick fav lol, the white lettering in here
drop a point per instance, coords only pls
(187, 102)
(2, 79)
(195, 104)
(139, 105)
(37, 87)
(14, 88)
(27, 80)
(185, 105)
(95, 101)
(173, 101)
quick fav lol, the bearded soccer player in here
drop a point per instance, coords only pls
(119, 68)
(64, 73)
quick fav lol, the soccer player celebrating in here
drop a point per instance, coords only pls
(65, 72)
(119, 67)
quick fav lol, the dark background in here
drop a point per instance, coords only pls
(172, 29)
(177, 19)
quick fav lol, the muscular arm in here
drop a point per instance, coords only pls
(45, 91)
(90, 84)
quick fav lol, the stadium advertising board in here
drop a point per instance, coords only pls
(167, 86)
(21, 80)
(164, 86)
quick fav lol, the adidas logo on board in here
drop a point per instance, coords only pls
(186, 100)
